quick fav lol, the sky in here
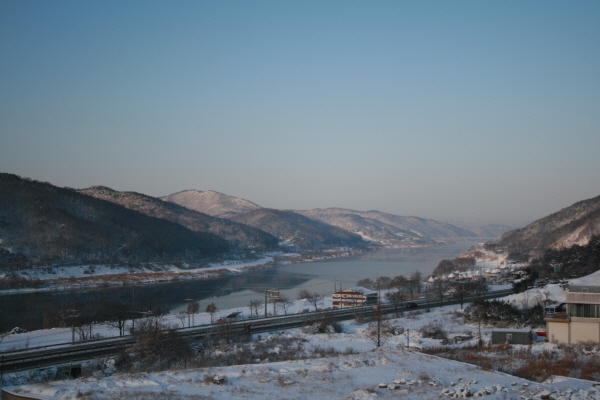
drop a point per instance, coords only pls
(450, 110)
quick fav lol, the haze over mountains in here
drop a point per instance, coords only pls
(40, 222)
(372, 226)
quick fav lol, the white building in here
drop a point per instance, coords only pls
(352, 297)
(580, 320)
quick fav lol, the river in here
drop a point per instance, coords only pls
(27, 310)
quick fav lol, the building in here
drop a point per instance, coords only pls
(576, 321)
(513, 336)
(352, 297)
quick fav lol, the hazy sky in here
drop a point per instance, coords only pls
(437, 109)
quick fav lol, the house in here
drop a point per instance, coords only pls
(513, 336)
(578, 320)
(352, 297)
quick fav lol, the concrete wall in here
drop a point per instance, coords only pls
(588, 331)
(579, 330)
(557, 332)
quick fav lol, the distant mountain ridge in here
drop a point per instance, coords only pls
(45, 223)
(298, 229)
(388, 229)
(489, 230)
(575, 224)
(211, 203)
(239, 235)
(374, 226)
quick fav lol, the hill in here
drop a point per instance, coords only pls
(388, 229)
(238, 235)
(298, 229)
(44, 223)
(211, 203)
(489, 230)
(575, 224)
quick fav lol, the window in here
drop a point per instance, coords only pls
(509, 336)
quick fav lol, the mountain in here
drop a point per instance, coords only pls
(239, 235)
(385, 228)
(489, 230)
(45, 223)
(298, 229)
(211, 203)
(572, 225)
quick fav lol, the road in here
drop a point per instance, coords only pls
(47, 356)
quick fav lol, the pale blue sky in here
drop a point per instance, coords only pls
(438, 109)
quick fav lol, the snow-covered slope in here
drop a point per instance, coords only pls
(575, 224)
(386, 373)
(385, 228)
(211, 203)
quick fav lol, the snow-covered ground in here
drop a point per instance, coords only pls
(395, 370)
(383, 373)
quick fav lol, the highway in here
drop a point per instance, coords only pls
(61, 354)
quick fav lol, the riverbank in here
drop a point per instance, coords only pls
(68, 278)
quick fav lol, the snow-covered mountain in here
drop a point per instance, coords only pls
(297, 229)
(211, 203)
(575, 224)
(239, 235)
(387, 228)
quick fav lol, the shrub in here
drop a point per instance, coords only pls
(433, 330)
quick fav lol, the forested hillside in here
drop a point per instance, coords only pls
(572, 225)
(240, 236)
(571, 262)
(44, 223)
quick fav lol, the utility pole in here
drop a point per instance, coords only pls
(72, 317)
(188, 310)
(133, 310)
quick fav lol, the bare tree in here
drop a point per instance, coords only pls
(379, 329)
(398, 282)
(182, 316)
(284, 303)
(382, 282)
(439, 288)
(397, 298)
(315, 299)
(255, 306)
(460, 290)
(211, 309)
(304, 294)
(159, 345)
(413, 283)
(116, 314)
(366, 283)
(192, 308)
